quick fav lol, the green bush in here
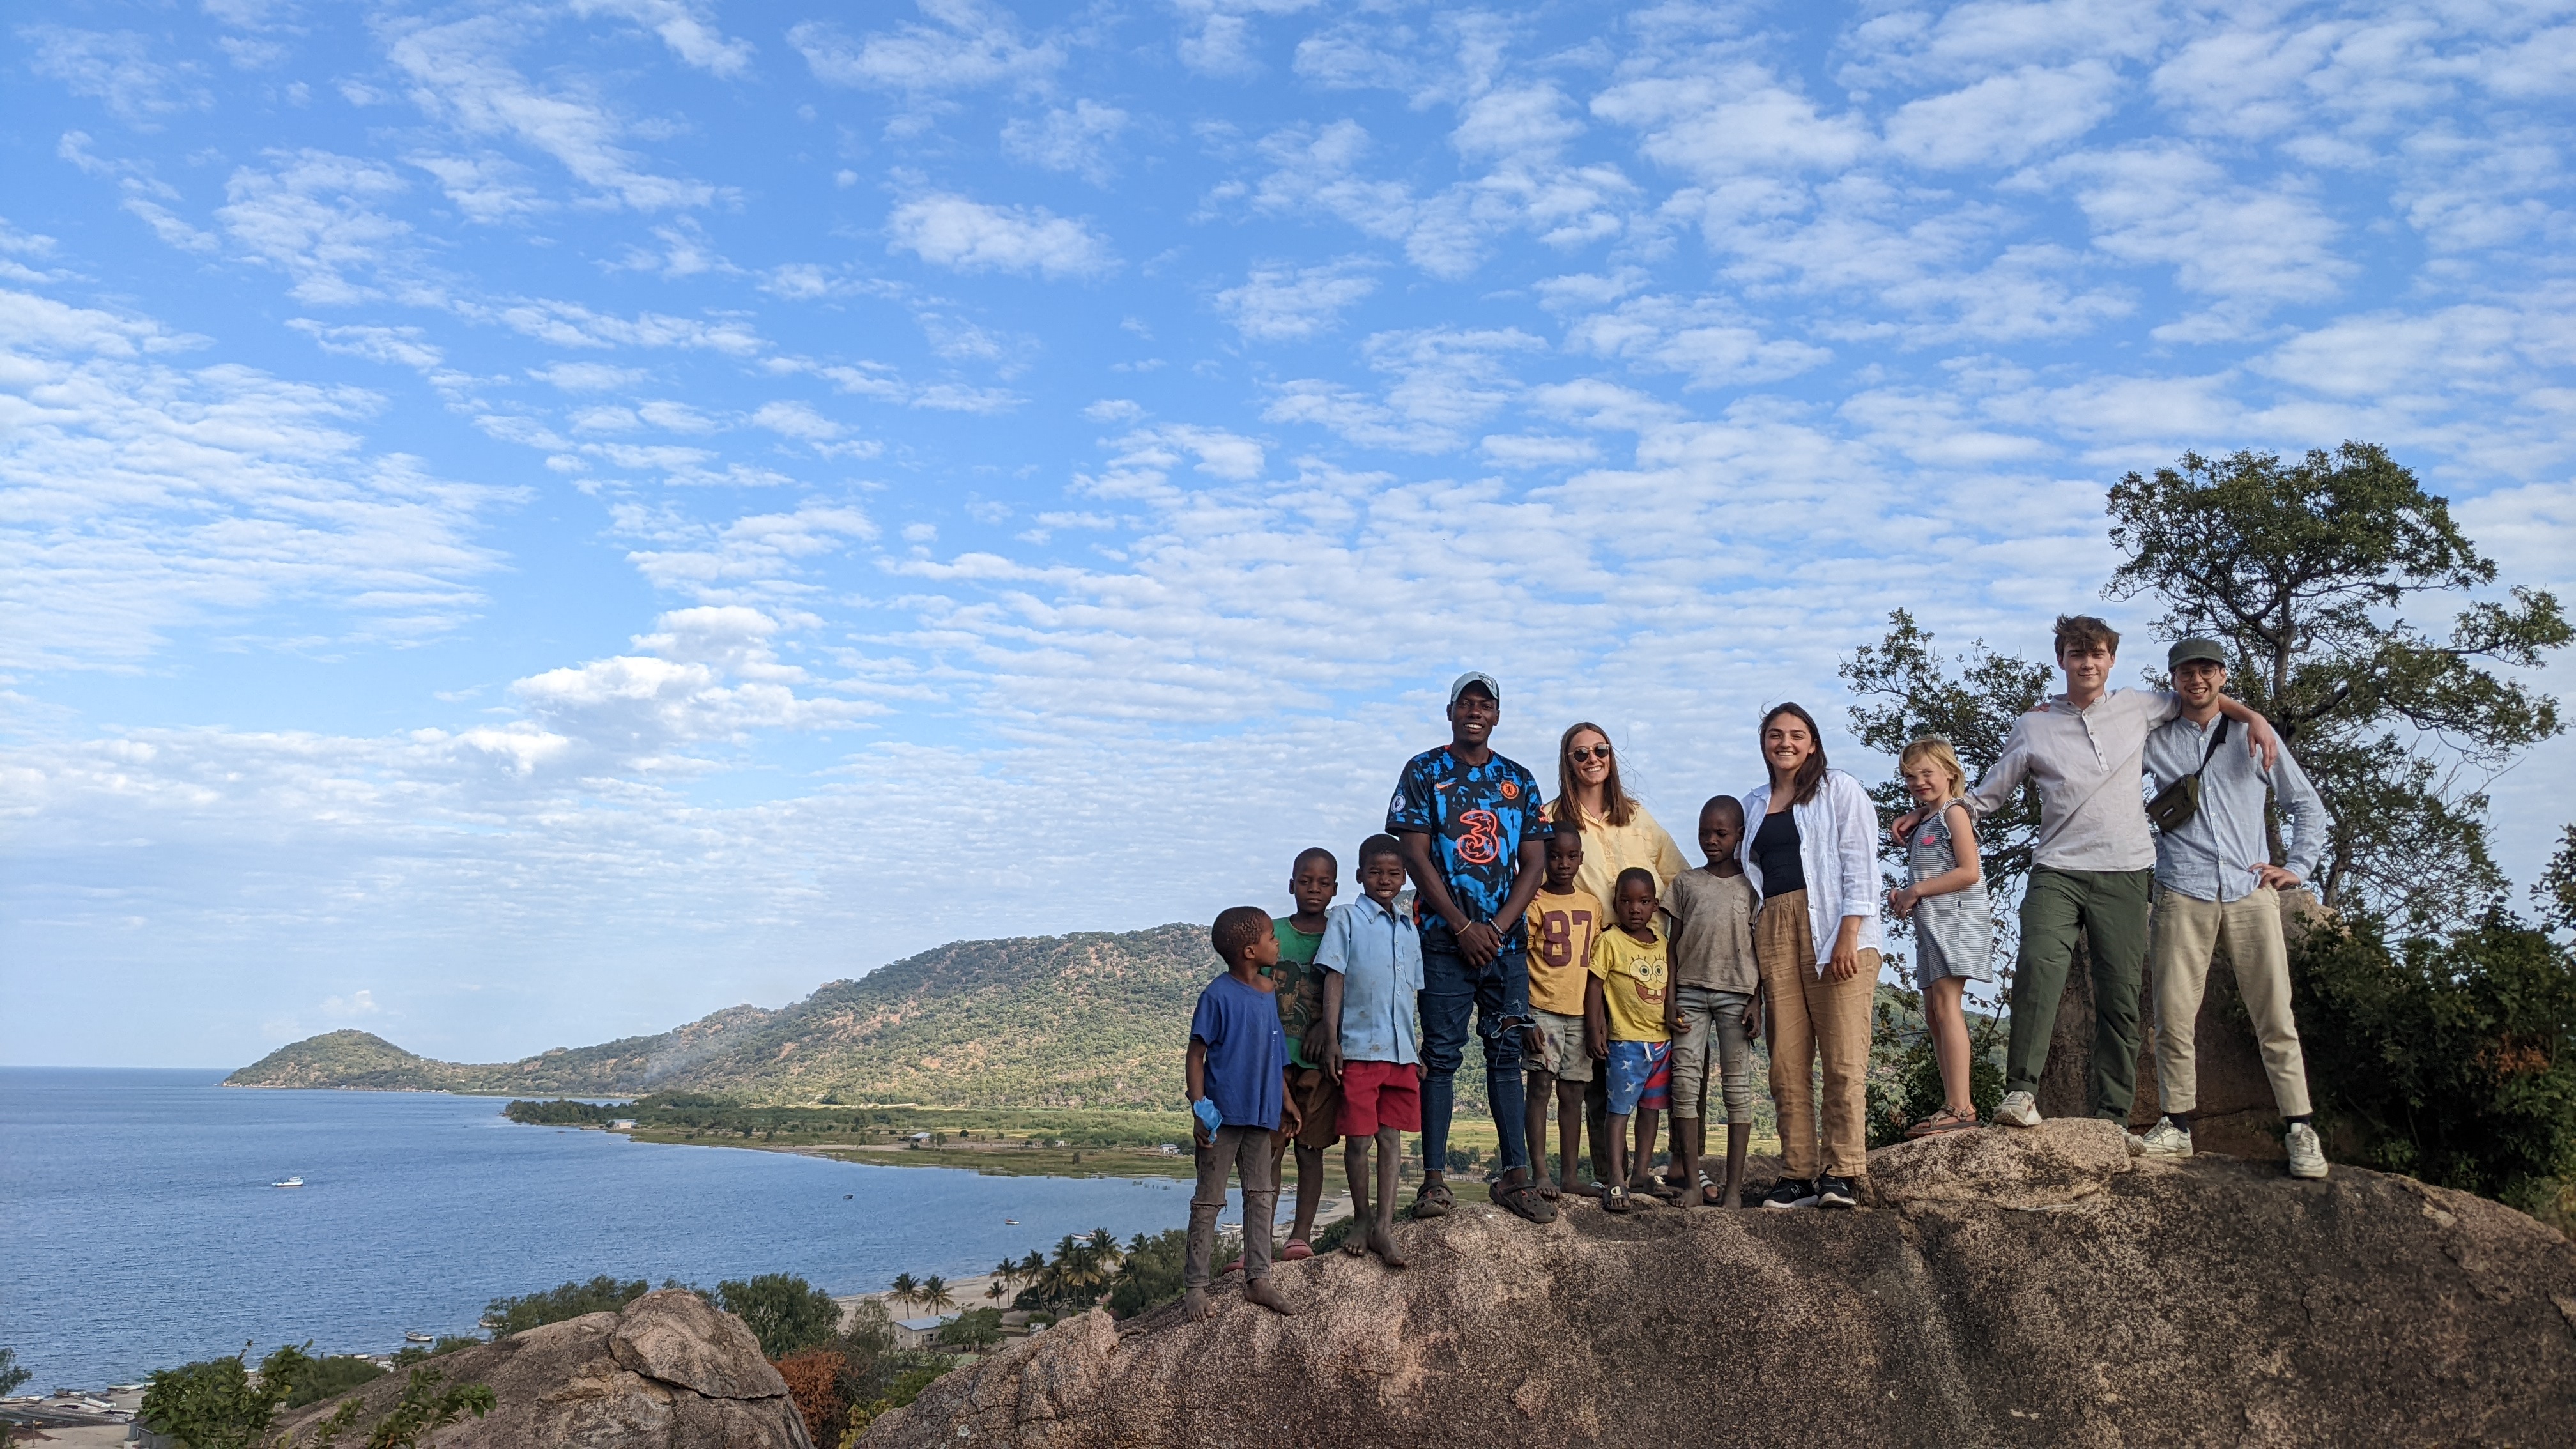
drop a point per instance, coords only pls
(1905, 1072)
(2451, 1058)
(785, 1312)
(331, 1377)
(215, 1404)
(1150, 1275)
(603, 1294)
(974, 1328)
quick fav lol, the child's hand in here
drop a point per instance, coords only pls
(1903, 826)
(1753, 1017)
(1901, 903)
(1593, 1046)
(1207, 1119)
(1331, 1057)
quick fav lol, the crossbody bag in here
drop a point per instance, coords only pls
(2176, 804)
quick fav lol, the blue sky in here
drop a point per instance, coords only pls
(529, 523)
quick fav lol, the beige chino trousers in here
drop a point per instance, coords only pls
(1814, 1017)
(2186, 932)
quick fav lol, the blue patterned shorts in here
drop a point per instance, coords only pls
(1641, 1075)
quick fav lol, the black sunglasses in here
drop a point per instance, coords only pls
(1581, 753)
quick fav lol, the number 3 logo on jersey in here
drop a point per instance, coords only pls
(1483, 842)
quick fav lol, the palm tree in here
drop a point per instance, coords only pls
(1007, 1272)
(935, 1294)
(904, 1289)
(995, 1291)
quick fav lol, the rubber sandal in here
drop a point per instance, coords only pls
(1434, 1200)
(1614, 1199)
(1939, 1122)
(1296, 1250)
(1522, 1200)
(1654, 1187)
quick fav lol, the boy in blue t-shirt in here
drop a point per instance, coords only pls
(1237, 1055)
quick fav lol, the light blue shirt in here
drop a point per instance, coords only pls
(1379, 955)
(2212, 858)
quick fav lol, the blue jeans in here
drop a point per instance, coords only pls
(1499, 998)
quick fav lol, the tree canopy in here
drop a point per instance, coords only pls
(784, 1312)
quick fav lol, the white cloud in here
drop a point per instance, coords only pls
(1732, 119)
(150, 499)
(1075, 138)
(116, 69)
(1217, 35)
(968, 45)
(314, 218)
(1292, 304)
(1708, 339)
(1446, 381)
(487, 188)
(587, 376)
(461, 75)
(2004, 120)
(689, 30)
(951, 231)
(2257, 245)
(401, 346)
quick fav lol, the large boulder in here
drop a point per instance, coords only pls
(2007, 1288)
(666, 1372)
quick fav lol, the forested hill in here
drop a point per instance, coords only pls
(1090, 1020)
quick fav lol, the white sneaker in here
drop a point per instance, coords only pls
(2307, 1154)
(2018, 1109)
(2137, 1144)
(2168, 1141)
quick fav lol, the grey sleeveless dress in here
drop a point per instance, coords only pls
(1954, 934)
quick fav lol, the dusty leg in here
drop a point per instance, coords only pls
(1949, 1021)
(1569, 1130)
(1686, 1157)
(1355, 1167)
(1618, 1134)
(1310, 1192)
(1390, 1162)
(1739, 1140)
(1539, 1090)
(1647, 1121)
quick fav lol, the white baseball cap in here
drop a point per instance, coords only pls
(1458, 686)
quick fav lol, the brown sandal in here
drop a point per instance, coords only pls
(1942, 1121)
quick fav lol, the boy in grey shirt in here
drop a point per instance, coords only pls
(2216, 883)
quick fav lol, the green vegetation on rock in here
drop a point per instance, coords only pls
(603, 1294)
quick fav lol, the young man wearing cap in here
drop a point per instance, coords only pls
(2093, 865)
(1475, 844)
(2216, 883)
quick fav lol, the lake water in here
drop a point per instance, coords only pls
(138, 1230)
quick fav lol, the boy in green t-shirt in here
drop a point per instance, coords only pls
(1313, 881)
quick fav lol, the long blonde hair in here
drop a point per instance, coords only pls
(1938, 751)
(1616, 807)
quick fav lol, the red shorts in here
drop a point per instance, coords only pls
(1378, 1095)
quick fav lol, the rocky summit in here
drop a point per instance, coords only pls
(666, 1372)
(2002, 1287)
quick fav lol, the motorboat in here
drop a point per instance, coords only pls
(416, 1336)
(1010, 1222)
(289, 1182)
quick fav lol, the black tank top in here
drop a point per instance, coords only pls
(1775, 851)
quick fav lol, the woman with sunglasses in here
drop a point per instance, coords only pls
(1618, 831)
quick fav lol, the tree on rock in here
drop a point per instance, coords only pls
(783, 1311)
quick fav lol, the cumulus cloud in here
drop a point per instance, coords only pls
(1284, 304)
(949, 230)
(2004, 120)
(116, 69)
(1074, 138)
(689, 30)
(966, 45)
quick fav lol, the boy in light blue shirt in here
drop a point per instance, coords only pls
(1371, 956)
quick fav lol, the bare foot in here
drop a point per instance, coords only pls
(1259, 1291)
(1382, 1242)
(1545, 1189)
(1195, 1305)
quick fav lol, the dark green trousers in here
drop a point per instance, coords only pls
(2109, 909)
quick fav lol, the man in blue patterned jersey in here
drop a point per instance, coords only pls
(1475, 844)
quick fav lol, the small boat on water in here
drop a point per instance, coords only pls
(1010, 1222)
(297, 1181)
(416, 1336)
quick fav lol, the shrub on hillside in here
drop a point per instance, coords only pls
(2447, 1057)
(217, 1404)
(330, 1377)
(1150, 1276)
(603, 1294)
(814, 1382)
(785, 1312)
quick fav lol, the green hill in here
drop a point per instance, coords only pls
(1093, 1020)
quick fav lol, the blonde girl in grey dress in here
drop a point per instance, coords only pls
(1954, 932)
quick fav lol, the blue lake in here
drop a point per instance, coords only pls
(138, 1230)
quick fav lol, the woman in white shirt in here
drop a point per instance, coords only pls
(1811, 848)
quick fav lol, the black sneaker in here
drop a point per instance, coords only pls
(1835, 1192)
(1793, 1192)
